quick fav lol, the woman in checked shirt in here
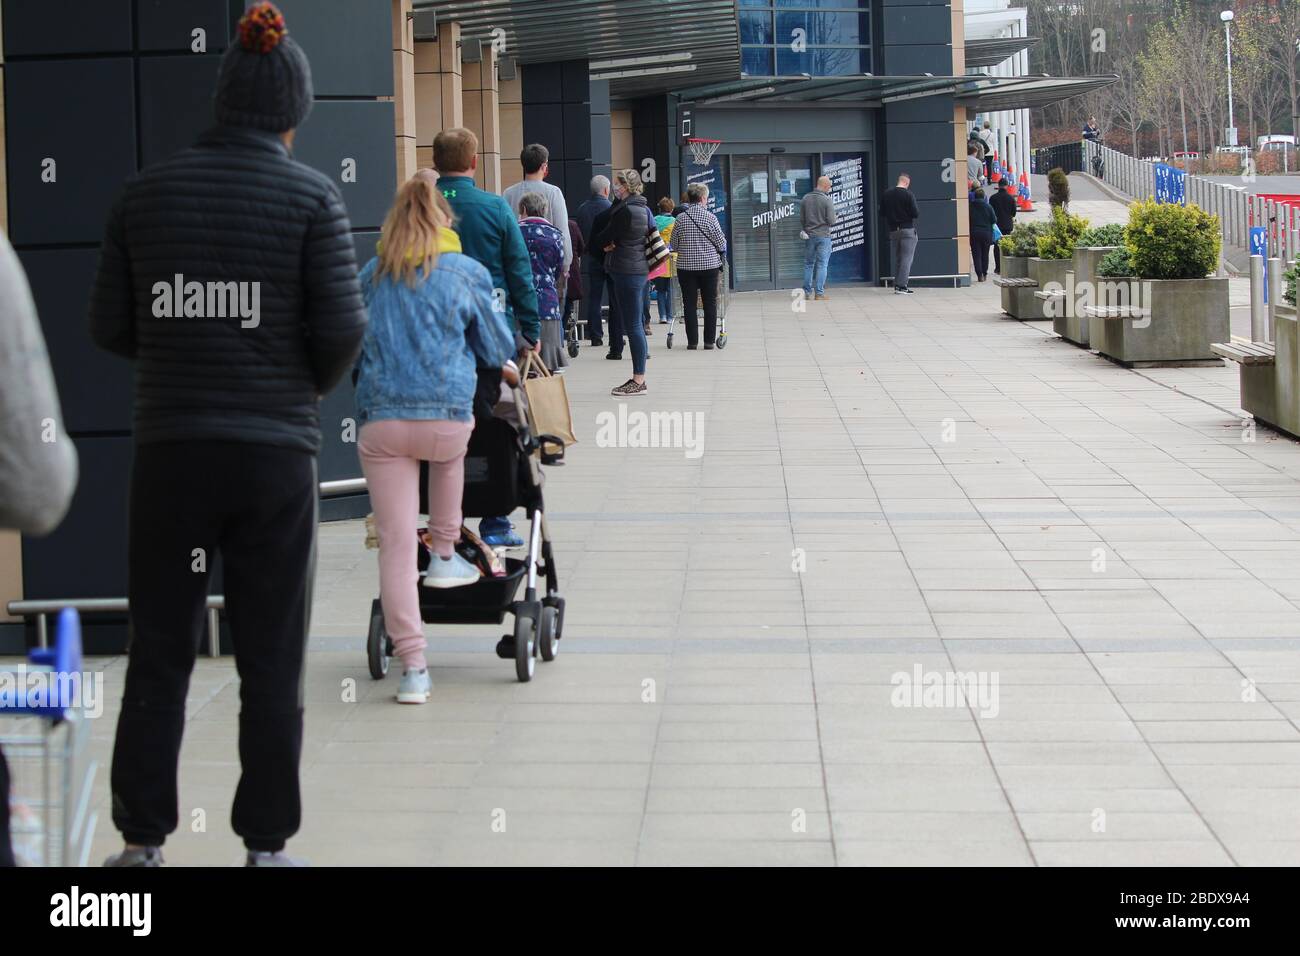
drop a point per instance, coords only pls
(699, 243)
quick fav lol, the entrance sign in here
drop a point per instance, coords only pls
(848, 235)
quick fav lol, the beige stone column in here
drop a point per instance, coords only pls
(621, 149)
(510, 97)
(959, 188)
(404, 89)
(483, 115)
(438, 89)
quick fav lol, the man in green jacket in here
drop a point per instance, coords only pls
(488, 230)
(489, 233)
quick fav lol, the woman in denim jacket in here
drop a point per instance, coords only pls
(431, 324)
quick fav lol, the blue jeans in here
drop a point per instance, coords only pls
(817, 254)
(629, 293)
(664, 297)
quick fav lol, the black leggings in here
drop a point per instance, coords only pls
(694, 282)
(6, 850)
(980, 240)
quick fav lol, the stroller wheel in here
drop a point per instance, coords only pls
(378, 645)
(525, 647)
(548, 638)
(669, 340)
(721, 341)
(573, 350)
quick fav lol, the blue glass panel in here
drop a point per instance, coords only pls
(823, 61)
(756, 27)
(756, 61)
(822, 28)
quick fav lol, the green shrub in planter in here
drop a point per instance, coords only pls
(1116, 264)
(1023, 241)
(1058, 188)
(1290, 277)
(1168, 241)
(1061, 236)
(1111, 234)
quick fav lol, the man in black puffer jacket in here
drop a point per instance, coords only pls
(227, 275)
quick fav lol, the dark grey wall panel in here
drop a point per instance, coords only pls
(935, 257)
(94, 386)
(349, 43)
(599, 96)
(170, 24)
(364, 243)
(917, 24)
(575, 82)
(916, 59)
(925, 143)
(338, 458)
(577, 133)
(53, 27)
(927, 182)
(175, 102)
(544, 123)
(81, 114)
(542, 83)
(759, 126)
(86, 555)
(359, 130)
(601, 139)
(938, 218)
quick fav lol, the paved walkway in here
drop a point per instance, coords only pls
(889, 487)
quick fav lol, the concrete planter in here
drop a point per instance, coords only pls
(1185, 316)
(1015, 267)
(1071, 323)
(1022, 302)
(1272, 392)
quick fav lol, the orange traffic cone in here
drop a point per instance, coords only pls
(1022, 200)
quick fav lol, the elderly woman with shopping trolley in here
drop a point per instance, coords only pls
(698, 240)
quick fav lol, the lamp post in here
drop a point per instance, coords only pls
(1226, 17)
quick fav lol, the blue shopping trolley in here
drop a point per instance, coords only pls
(44, 733)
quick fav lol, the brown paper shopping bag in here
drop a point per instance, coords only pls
(548, 400)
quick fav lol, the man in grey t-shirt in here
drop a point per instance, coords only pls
(535, 159)
(816, 216)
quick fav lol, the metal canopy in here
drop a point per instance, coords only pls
(863, 89)
(992, 93)
(993, 50)
(544, 31)
(983, 93)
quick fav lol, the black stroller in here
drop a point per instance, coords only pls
(501, 474)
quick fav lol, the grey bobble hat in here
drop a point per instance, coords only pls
(265, 79)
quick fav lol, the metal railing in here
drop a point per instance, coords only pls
(216, 603)
(1237, 209)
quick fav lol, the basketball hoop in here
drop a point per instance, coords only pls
(702, 150)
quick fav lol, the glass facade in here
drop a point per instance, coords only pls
(817, 37)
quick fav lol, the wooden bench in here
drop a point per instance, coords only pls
(1016, 283)
(1048, 296)
(1246, 353)
(1115, 312)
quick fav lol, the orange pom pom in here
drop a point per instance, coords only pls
(261, 28)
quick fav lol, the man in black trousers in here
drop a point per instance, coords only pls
(1004, 207)
(227, 274)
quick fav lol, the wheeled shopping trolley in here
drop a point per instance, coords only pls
(724, 298)
(44, 732)
(502, 473)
